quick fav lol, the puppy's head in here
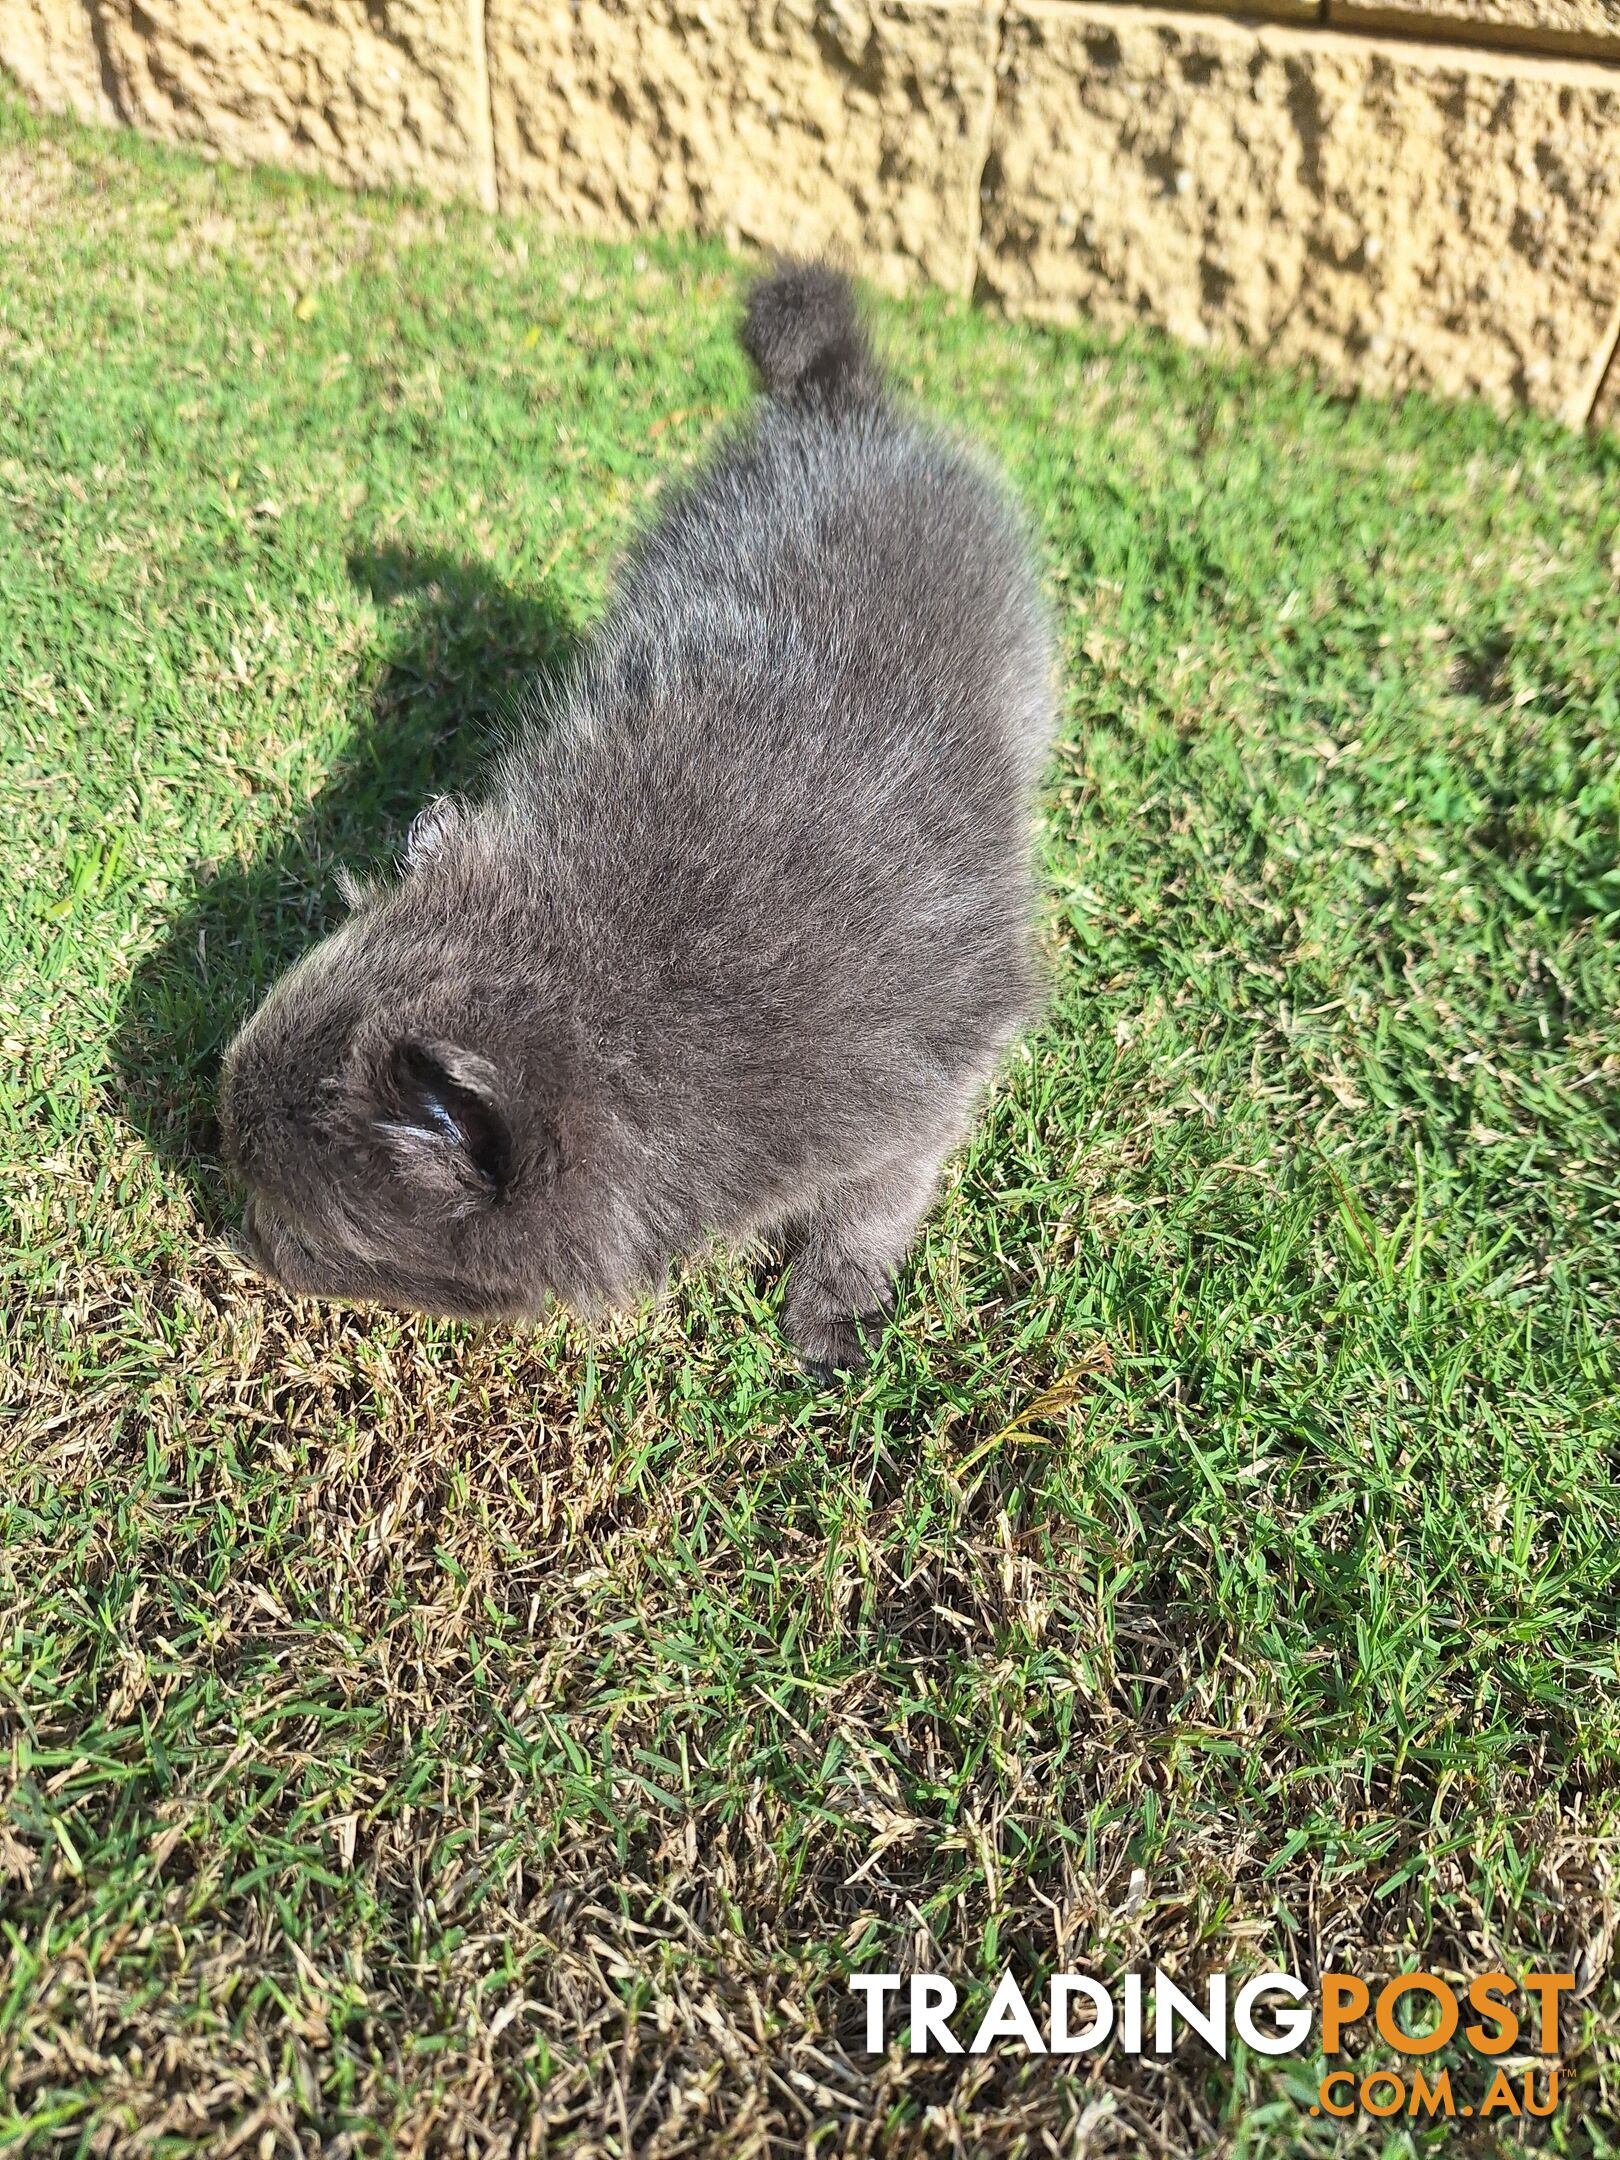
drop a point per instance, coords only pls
(381, 1105)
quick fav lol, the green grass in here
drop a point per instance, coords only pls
(460, 1742)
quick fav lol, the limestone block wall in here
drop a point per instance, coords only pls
(795, 124)
(1398, 212)
(1400, 192)
(369, 92)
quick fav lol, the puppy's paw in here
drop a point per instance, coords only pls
(831, 1345)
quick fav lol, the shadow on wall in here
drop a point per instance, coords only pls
(473, 648)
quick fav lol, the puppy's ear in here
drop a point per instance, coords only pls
(449, 1103)
(432, 829)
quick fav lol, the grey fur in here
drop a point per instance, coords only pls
(738, 929)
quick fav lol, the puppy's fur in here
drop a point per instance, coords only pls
(740, 925)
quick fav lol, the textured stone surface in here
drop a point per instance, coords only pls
(1399, 214)
(369, 92)
(1299, 11)
(50, 46)
(800, 124)
(1593, 23)
(1606, 406)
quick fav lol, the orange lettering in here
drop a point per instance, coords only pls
(1485, 1995)
(1433, 2099)
(1344, 1999)
(1500, 2096)
(1547, 1987)
(1530, 2107)
(1397, 2095)
(1423, 1984)
(1338, 2077)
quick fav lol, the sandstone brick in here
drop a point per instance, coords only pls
(1570, 24)
(855, 125)
(1606, 401)
(50, 47)
(368, 92)
(1296, 11)
(1400, 215)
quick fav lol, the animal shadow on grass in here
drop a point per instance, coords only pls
(466, 649)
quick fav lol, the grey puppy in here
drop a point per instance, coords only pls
(737, 930)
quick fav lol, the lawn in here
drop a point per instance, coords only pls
(419, 1739)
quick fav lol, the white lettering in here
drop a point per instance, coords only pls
(933, 1998)
(1294, 2025)
(874, 1986)
(1130, 2025)
(1169, 2003)
(1064, 1987)
(1008, 2018)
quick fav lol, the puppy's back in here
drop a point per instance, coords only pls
(807, 733)
(859, 558)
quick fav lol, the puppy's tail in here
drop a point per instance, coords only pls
(802, 330)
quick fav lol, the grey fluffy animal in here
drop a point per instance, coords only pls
(738, 928)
